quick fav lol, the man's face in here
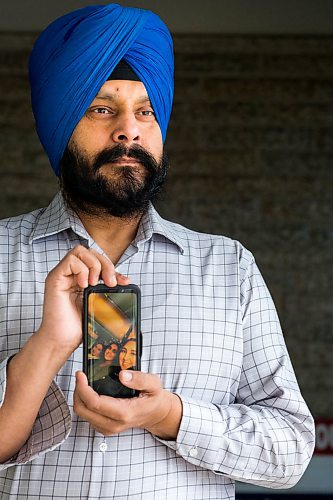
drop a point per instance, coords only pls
(114, 161)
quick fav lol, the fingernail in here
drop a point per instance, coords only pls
(127, 376)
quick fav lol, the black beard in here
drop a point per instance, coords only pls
(124, 194)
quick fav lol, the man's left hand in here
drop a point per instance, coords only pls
(156, 410)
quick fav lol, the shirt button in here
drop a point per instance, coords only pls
(103, 447)
(193, 452)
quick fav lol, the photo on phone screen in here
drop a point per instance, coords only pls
(112, 339)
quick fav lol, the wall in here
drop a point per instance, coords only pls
(191, 16)
(251, 148)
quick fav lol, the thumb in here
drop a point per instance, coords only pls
(146, 382)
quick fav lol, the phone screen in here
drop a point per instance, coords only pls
(112, 342)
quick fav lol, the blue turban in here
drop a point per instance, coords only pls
(74, 56)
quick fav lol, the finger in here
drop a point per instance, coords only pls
(93, 401)
(87, 395)
(91, 261)
(145, 382)
(101, 423)
(103, 412)
(107, 273)
(107, 270)
(98, 265)
(86, 400)
(69, 267)
(122, 280)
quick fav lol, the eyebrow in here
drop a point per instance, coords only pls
(113, 97)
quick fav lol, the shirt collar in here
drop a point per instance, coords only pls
(58, 217)
(55, 218)
(152, 223)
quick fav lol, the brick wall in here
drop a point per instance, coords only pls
(251, 146)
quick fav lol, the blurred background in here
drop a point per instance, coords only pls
(251, 147)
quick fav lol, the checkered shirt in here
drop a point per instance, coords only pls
(210, 331)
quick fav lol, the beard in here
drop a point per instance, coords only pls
(120, 191)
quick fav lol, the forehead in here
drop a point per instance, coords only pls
(123, 90)
(131, 344)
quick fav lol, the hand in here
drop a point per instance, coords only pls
(156, 410)
(61, 325)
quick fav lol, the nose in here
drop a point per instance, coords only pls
(126, 129)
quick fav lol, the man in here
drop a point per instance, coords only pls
(219, 399)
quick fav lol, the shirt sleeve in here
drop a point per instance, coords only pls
(52, 425)
(266, 437)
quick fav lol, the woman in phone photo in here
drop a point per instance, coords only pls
(109, 384)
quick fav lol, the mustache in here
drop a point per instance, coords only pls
(111, 155)
(89, 191)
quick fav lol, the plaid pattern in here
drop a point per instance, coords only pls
(210, 331)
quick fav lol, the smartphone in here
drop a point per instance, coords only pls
(111, 337)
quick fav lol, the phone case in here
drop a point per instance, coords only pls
(112, 338)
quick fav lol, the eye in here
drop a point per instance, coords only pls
(102, 111)
(99, 112)
(146, 114)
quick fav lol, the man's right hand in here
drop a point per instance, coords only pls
(32, 369)
(61, 325)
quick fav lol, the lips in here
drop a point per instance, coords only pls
(125, 161)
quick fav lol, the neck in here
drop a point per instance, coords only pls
(112, 234)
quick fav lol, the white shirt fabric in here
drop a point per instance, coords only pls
(210, 331)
